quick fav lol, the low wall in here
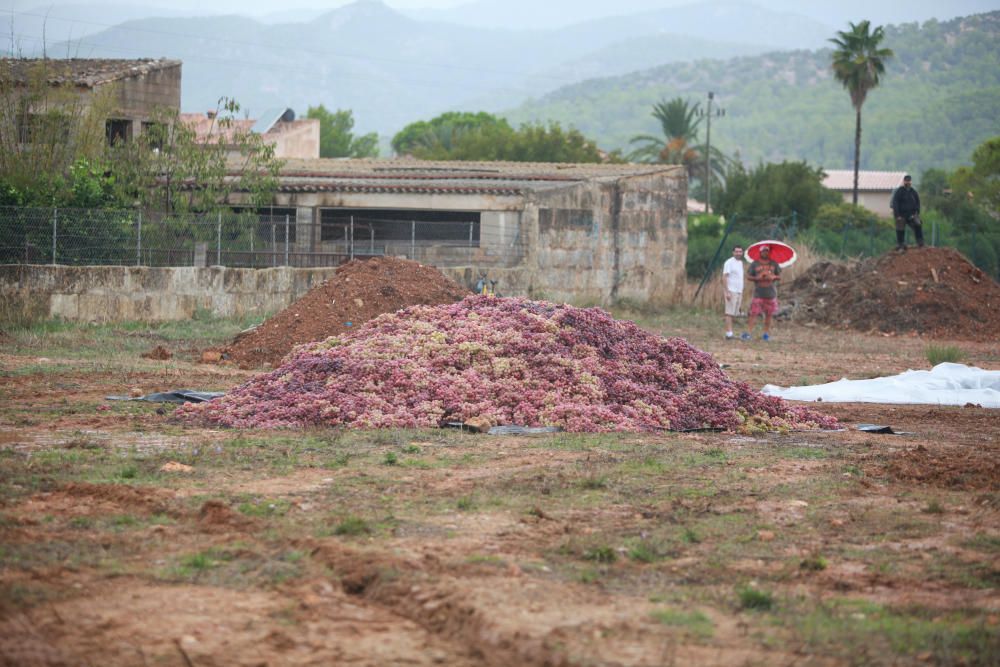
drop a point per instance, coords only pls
(117, 293)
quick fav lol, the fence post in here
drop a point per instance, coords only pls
(934, 231)
(371, 228)
(470, 240)
(352, 237)
(253, 233)
(286, 239)
(55, 232)
(218, 241)
(138, 240)
(975, 247)
(871, 237)
(413, 240)
(715, 257)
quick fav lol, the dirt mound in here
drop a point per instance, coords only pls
(360, 290)
(954, 468)
(215, 515)
(931, 291)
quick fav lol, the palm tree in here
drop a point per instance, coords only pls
(679, 120)
(858, 63)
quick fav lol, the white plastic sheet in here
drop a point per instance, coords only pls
(945, 384)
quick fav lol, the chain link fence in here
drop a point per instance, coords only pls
(251, 239)
(710, 239)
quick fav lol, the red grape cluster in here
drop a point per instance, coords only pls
(512, 361)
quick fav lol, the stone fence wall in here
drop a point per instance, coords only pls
(119, 293)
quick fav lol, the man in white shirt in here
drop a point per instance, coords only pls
(732, 284)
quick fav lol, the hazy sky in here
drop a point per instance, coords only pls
(235, 6)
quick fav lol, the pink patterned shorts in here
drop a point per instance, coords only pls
(765, 306)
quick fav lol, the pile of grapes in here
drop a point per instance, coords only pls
(511, 361)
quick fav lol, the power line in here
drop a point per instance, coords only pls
(482, 85)
(284, 48)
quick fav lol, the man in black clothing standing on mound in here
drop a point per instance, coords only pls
(905, 207)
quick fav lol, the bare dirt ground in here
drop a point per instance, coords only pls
(128, 539)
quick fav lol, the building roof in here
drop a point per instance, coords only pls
(84, 72)
(208, 129)
(843, 179)
(406, 175)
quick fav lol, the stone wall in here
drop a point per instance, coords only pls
(609, 240)
(117, 293)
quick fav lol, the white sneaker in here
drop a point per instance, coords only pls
(729, 335)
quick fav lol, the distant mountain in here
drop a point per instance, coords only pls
(560, 13)
(939, 100)
(56, 24)
(391, 69)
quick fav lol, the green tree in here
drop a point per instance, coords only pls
(775, 190)
(482, 136)
(980, 183)
(858, 64)
(336, 134)
(679, 122)
(441, 136)
(169, 169)
(44, 131)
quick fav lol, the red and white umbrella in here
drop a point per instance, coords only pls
(782, 253)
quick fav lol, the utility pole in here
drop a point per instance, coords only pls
(708, 150)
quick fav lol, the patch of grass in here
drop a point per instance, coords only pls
(81, 522)
(390, 459)
(412, 449)
(465, 503)
(644, 551)
(127, 472)
(589, 575)
(263, 507)
(954, 638)
(601, 554)
(339, 461)
(754, 599)
(689, 536)
(352, 526)
(983, 542)
(814, 563)
(594, 482)
(486, 559)
(806, 453)
(939, 354)
(934, 506)
(694, 623)
(124, 521)
(198, 561)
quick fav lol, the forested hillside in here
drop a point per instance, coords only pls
(939, 100)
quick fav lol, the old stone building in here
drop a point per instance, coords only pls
(136, 87)
(577, 232)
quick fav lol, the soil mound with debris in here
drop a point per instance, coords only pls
(935, 292)
(360, 291)
(505, 361)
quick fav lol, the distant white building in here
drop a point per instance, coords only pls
(874, 187)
